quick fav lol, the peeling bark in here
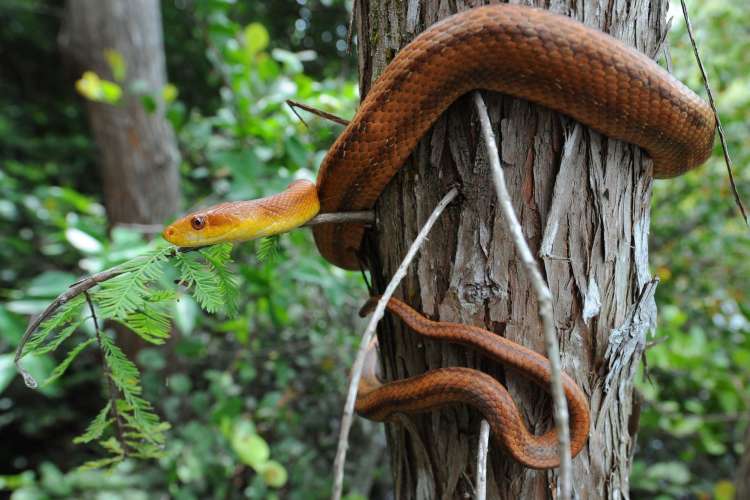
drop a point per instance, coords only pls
(583, 201)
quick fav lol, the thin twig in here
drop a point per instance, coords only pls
(482, 451)
(722, 137)
(356, 373)
(366, 217)
(544, 297)
(119, 428)
(85, 284)
(74, 290)
(323, 114)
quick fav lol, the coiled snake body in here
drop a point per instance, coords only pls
(517, 50)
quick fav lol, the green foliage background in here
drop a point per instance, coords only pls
(253, 399)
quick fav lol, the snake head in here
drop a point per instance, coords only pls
(205, 227)
(247, 220)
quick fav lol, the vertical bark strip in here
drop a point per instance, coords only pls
(583, 201)
(138, 150)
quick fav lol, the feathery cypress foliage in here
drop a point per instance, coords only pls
(137, 299)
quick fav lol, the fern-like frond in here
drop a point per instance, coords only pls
(124, 294)
(97, 426)
(113, 446)
(101, 463)
(140, 418)
(145, 451)
(59, 339)
(219, 257)
(72, 354)
(152, 326)
(203, 281)
(137, 411)
(152, 322)
(69, 315)
(268, 249)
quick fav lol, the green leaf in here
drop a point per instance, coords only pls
(219, 257)
(268, 248)
(101, 463)
(97, 426)
(149, 103)
(66, 315)
(256, 38)
(113, 446)
(60, 369)
(116, 64)
(151, 323)
(95, 89)
(274, 474)
(59, 339)
(169, 93)
(137, 412)
(205, 284)
(249, 446)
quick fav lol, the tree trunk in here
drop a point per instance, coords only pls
(138, 151)
(583, 201)
(139, 156)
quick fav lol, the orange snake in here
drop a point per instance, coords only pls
(520, 51)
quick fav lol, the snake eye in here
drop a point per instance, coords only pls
(198, 222)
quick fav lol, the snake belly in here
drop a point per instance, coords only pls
(446, 386)
(523, 52)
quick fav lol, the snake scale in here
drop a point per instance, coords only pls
(520, 51)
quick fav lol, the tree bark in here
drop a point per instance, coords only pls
(583, 201)
(139, 156)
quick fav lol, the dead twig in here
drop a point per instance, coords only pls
(722, 137)
(366, 217)
(323, 114)
(544, 297)
(482, 451)
(356, 372)
(74, 290)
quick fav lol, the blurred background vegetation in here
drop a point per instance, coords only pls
(276, 373)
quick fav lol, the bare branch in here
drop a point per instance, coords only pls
(544, 297)
(367, 217)
(356, 373)
(482, 451)
(323, 114)
(722, 137)
(75, 289)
